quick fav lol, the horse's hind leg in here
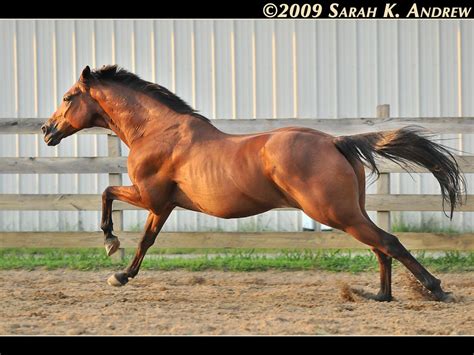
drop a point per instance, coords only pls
(388, 244)
(385, 261)
(385, 265)
(343, 212)
(331, 195)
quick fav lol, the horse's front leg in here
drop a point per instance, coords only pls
(153, 226)
(128, 194)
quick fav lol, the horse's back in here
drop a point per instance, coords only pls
(305, 147)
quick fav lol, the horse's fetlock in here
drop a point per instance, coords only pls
(106, 227)
(433, 284)
(132, 273)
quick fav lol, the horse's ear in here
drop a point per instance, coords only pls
(85, 75)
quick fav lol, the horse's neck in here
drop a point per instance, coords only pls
(133, 118)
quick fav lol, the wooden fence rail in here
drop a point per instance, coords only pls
(247, 240)
(383, 201)
(93, 165)
(92, 202)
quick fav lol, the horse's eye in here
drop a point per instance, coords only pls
(67, 98)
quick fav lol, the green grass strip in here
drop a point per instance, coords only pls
(231, 260)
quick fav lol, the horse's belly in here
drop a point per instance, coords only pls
(225, 203)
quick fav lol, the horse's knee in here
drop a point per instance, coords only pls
(107, 194)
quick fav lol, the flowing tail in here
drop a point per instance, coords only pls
(408, 146)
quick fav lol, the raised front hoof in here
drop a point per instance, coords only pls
(118, 279)
(381, 297)
(442, 296)
(112, 244)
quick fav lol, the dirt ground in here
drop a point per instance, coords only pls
(218, 302)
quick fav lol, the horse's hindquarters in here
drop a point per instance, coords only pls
(315, 175)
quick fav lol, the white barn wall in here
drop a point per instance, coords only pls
(467, 104)
(233, 69)
(8, 108)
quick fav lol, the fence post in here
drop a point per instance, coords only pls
(115, 179)
(383, 183)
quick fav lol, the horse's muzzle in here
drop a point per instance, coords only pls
(52, 136)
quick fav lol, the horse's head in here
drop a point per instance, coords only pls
(77, 110)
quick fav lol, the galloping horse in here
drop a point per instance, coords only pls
(178, 158)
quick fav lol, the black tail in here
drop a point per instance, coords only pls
(407, 146)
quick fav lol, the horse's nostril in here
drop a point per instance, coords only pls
(44, 129)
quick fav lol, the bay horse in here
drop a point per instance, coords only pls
(178, 158)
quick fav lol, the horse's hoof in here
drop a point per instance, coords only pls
(111, 244)
(380, 297)
(118, 279)
(446, 297)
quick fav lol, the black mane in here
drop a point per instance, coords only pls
(160, 93)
